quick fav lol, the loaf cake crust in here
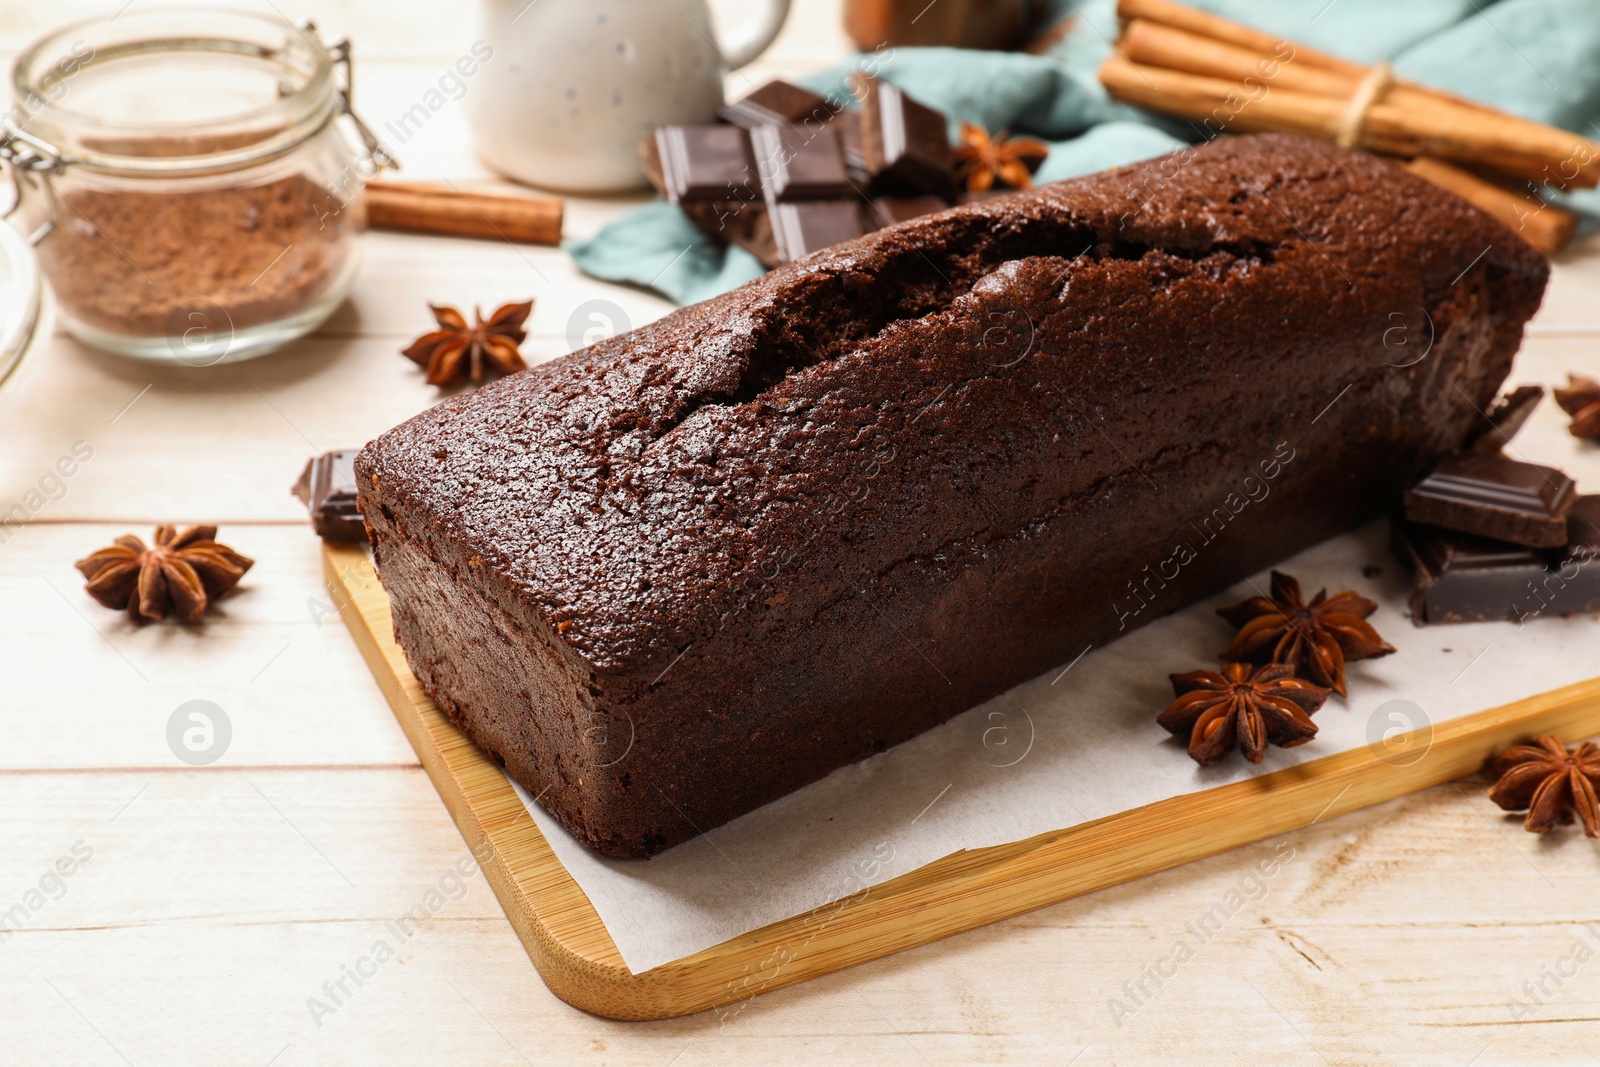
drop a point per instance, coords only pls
(673, 576)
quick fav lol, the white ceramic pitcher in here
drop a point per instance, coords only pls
(573, 86)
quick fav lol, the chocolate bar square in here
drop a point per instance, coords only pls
(1575, 571)
(327, 487)
(1463, 578)
(699, 164)
(777, 103)
(730, 220)
(906, 145)
(1495, 497)
(803, 228)
(800, 164)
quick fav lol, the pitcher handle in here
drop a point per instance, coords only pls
(744, 42)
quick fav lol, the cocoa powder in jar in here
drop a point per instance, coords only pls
(129, 261)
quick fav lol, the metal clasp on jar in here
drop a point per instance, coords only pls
(27, 156)
(377, 156)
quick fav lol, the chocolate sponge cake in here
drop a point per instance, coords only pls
(673, 576)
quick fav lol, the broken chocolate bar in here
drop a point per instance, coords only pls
(906, 144)
(699, 164)
(327, 487)
(788, 148)
(1495, 497)
(1462, 578)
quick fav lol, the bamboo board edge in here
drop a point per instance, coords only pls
(579, 962)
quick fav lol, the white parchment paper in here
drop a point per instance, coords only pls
(1072, 745)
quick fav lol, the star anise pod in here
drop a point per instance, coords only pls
(457, 353)
(1581, 399)
(1244, 706)
(1551, 783)
(982, 160)
(181, 573)
(1315, 640)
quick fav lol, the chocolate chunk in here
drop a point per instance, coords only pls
(328, 488)
(787, 148)
(888, 210)
(1505, 417)
(1573, 585)
(800, 164)
(800, 229)
(1495, 497)
(1462, 578)
(906, 145)
(777, 103)
(732, 220)
(704, 163)
(1583, 525)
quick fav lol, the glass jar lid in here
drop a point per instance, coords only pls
(178, 91)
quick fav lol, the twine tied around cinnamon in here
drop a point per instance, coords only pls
(1369, 90)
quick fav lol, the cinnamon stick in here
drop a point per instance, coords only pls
(1218, 28)
(1215, 27)
(1167, 34)
(1163, 45)
(426, 207)
(1160, 45)
(1449, 133)
(1545, 226)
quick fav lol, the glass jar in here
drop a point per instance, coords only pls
(20, 317)
(190, 195)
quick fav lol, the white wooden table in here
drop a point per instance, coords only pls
(216, 901)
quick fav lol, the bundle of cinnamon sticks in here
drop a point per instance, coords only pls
(1226, 77)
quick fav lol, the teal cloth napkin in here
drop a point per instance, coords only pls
(1535, 58)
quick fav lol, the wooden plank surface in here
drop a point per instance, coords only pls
(211, 910)
(97, 691)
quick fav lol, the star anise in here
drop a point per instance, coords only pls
(1551, 783)
(982, 160)
(1315, 640)
(1581, 399)
(457, 353)
(181, 573)
(1244, 706)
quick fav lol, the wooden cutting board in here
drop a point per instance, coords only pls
(579, 962)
